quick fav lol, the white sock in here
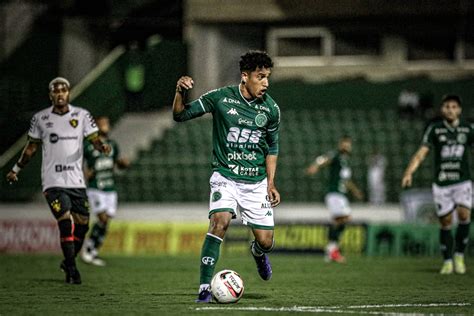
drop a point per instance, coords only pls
(203, 287)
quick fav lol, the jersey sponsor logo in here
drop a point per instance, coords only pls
(45, 117)
(54, 138)
(218, 184)
(244, 171)
(261, 120)
(74, 114)
(262, 108)
(61, 168)
(208, 261)
(442, 138)
(440, 130)
(216, 196)
(452, 151)
(49, 124)
(74, 123)
(450, 165)
(269, 213)
(236, 156)
(245, 122)
(232, 111)
(230, 101)
(448, 176)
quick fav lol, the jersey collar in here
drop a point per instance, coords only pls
(61, 114)
(250, 103)
(450, 127)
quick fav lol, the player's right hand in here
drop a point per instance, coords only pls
(407, 180)
(184, 83)
(12, 177)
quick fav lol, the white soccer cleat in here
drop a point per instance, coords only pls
(447, 267)
(459, 265)
(98, 262)
(87, 256)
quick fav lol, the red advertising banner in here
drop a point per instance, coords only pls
(19, 236)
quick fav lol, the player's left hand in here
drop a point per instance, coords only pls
(273, 195)
(12, 177)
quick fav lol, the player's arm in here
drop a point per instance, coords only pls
(415, 162)
(122, 163)
(354, 189)
(29, 151)
(88, 172)
(317, 164)
(273, 194)
(98, 144)
(184, 84)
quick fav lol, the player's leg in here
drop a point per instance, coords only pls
(80, 213)
(338, 206)
(256, 212)
(463, 200)
(222, 207)
(218, 224)
(442, 197)
(60, 205)
(104, 205)
(260, 248)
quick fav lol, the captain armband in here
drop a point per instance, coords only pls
(16, 168)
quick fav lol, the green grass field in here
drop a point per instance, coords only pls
(33, 285)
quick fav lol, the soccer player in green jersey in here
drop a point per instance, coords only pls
(245, 148)
(336, 200)
(451, 140)
(99, 171)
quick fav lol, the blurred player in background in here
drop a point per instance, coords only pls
(61, 130)
(451, 139)
(245, 148)
(99, 170)
(336, 200)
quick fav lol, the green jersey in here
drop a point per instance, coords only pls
(339, 172)
(102, 166)
(451, 146)
(244, 132)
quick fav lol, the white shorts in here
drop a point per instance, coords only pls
(338, 204)
(102, 201)
(250, 199)
(448, 197)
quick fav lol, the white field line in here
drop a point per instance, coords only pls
(333, 309)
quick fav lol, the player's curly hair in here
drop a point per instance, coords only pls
(255, 59)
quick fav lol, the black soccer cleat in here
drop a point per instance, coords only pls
(72, 274)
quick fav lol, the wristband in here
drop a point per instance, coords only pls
(16, 168)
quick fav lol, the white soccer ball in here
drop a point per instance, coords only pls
(227, 287)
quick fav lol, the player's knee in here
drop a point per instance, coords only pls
(265, 245)
(103, 218)
(464, 214)
(65, 216)
(80, 219)
(218, 227)
(446, 221)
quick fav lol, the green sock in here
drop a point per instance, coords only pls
(462, 236)
(446, 242)
(209, 256)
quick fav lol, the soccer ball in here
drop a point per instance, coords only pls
(227, 287)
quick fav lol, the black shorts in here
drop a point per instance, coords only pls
(61, 200)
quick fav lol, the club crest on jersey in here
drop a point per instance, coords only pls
(216, 196)
(74, 123)
(261, 120)
(462, 138)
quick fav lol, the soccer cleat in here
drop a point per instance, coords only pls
(205, 296)
(72, 274)
(264, 266)
(98, 262)
(459, 266)
(334, 255)
(447, 267)
(87, 256)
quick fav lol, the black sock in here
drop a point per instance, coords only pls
(67, 241)
(335, 232)
(99, 230)
(446, 243)
(80, 231)
(462, 237)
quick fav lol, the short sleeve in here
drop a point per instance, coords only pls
(428, 136)
(273, 132)
(89, 125)
(35, 132)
